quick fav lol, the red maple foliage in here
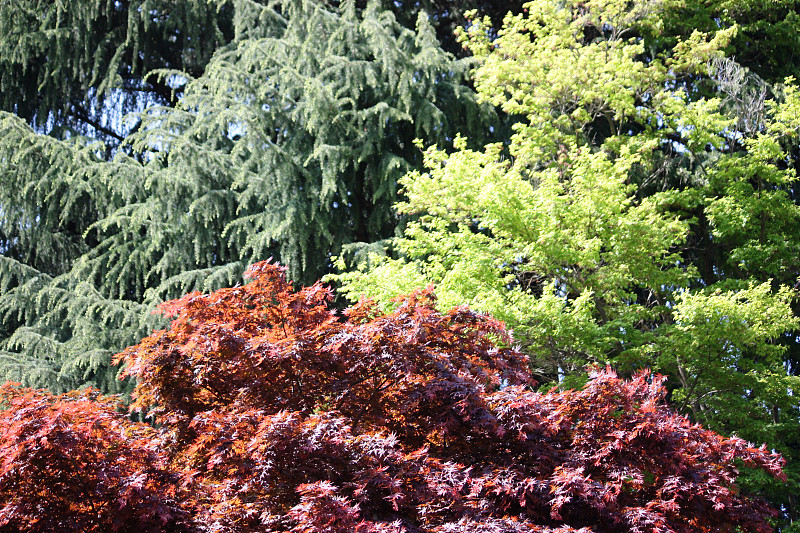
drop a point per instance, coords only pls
(73, 463)
(276, 414)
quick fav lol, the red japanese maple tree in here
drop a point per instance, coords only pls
(276, 414)
(73, 463)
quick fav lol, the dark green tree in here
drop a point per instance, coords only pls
(448, 15)
(288, 145)
(77, 66)
(767, 41)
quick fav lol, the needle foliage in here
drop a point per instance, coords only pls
(288, 145)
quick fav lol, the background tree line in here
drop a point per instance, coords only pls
(616, 180)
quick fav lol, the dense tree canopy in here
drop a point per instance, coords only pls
(278, 414)
(289, 145)
(76, 67)
(74, 463)
(639, 221)
(614, 179)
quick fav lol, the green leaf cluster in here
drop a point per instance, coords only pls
(632, 219)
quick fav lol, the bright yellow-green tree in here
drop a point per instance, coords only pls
(640, 216)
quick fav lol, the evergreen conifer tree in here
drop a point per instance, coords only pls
(288, 145)
(76, 67)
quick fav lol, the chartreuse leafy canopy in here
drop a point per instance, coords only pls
(629, 221)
